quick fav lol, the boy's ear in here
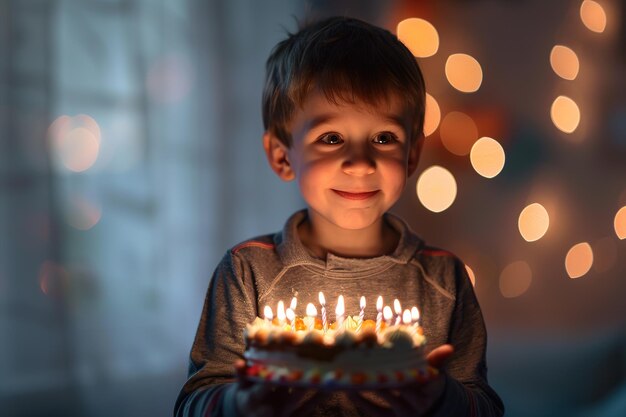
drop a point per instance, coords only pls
(414, 154)
(277, 156)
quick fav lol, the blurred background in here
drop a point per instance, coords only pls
(131, 160)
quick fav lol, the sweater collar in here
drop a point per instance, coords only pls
(292, 252)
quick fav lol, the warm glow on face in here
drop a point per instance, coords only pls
(487, 157)
(533, 222)
(458, 133)
(432, 115)
(593, 16)
(579, 260)
(620, 223)
(471, 275)
(419, 36)
(436, 188)
(515, 279)
(75, 142)
(564, 62)
(464, 73)
(565, 114)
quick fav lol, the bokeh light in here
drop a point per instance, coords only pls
(464, 73)
(533, 222)
(420, 36)
(593, 16)
(83, 214)
(515, 279)
(458, 132)
(619, 223)
(471, 275)
(487, 157)
(52, 279)
(436, 188)
(432, 115)
(565, 114)
(74, 142)
(169, 79)
(579, 260)
(564, 62)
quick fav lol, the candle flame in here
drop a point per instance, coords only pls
(322, 299)
(362, 303)
(294, 303)
(387, 313)
(267, 312)
(406, 317)
(340, 306)
(311, 311)
(415, 314)
(280, 311)
(396, 306)
(379, 303)
(291, 316)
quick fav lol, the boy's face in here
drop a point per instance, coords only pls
(351, 161)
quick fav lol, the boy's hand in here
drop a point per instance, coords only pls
(263, 400)
(411, 400)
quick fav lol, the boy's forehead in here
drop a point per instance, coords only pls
(317, 106)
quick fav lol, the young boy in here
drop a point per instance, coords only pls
(343, 108)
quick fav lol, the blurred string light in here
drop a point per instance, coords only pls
(471, 275)
(593, 16)
(620, 223)
(52, 279)
(83, 214)
(565, 114)
(420, 36)
(533, 222)
(74, 142)
(464, 73)
(579, 260)
(436, 188)
(432, 115)
(487, 157)
(169, 79)
(515, 279)
(458, 133)
(564, 62)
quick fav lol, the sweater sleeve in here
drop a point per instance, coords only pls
(229, 304)
(467, 392)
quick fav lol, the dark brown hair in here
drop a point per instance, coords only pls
(349, 60)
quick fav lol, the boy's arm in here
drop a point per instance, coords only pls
(467, 392)
(229, 305)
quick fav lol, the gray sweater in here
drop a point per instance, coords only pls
(266, 269)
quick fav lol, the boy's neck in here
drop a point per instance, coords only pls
(321, 237)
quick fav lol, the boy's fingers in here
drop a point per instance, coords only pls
(438, 356)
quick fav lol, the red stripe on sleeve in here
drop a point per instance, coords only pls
(253, 243)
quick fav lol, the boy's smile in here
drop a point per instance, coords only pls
(351, 162)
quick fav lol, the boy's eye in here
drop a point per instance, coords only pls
(331, 139)
(385, 138)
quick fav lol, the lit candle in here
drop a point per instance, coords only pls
(267, 312)
(361, 314)
(415, 316)
(398, 309)
(294, 304)
(388, 314)
(311, 313)
(406, 317)
(324, 318)
(291, 317)
(280, 313)
(379, 316)
(339, 312)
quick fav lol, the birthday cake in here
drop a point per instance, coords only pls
(350, 352)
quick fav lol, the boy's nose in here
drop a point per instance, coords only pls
(359, 163)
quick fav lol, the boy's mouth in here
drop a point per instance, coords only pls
(356, 196)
